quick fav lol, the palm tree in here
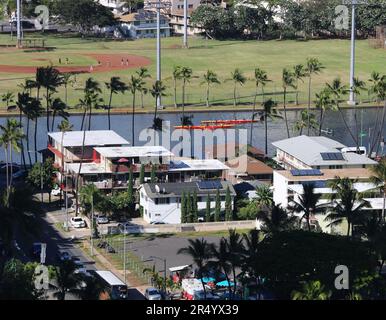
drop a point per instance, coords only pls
(135, 84)
(288, 81)
(185, 74)
(91, 99)
(235, 249)
(176, 76)
(324, 103)
(379, 179)
(307, 204)
(277, 220)
(199, 251)
(337, 89)
(269, 112)
(67, 280)
(238, 78)
(156, 279)
(7, 97)
(299, 73)
(63, 127)
(303, 122)
(357, 88)
(347, 204)
(221, 260)
(115, 86)
(261, 79)
(27, 86)
(209, 78)
(59, 109)
(143, 73)
(33, 110)
(314, 66)
(10, 137)
(158, 90)
(50, 79)
(264, 197)
(66, 81)
(20, 103)
(312, 290)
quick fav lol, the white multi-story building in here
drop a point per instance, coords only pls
(143, 24)
(305, 152)
(162, 202)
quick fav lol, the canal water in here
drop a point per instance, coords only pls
(276, 129)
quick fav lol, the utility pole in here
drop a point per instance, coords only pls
(92, 226)
(158, 5)
(18, 22)
(124, 254)
(185, 24)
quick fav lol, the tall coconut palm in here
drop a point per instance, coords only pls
(176, 76)
(337, 89)
(221, 260)
(143, 73)
(67, 80)
(58, 108)
(299, 73)
(199, 251)
(312, 290)
(10, 137)
(307, 204)
(235, 249)
(238, 78)
(115, 86)
(313, 67)
(324, 103)
(302, 122)
(20, 103)
(27, 86)
(91, 99)
(379, 179)
(158, 90)
(347, 204)
(33, 110)
(288, 81)
(209, 78)
(269, 112)
(50, 79)
(186, 75)
(276, 220)
(261, 80)
(135, 85)
(357, 88)
(63, 127)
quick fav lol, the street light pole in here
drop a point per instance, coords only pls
(352, 64)
(92, 226)
(185, 23)
(18, 23)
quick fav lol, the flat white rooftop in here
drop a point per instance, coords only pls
(93, 138)
(178, 165)
(129, 152)
(88, 168)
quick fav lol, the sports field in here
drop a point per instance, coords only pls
(219, 56)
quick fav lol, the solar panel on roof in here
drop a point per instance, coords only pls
(209, 185)
(305, 173)
(328, 156)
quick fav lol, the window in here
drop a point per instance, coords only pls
(190, 6)
(158, 201)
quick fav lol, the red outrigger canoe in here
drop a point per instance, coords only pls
(233, 122)
(206, 127)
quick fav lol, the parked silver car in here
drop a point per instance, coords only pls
(153, 294)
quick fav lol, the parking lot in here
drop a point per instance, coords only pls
(165, 247)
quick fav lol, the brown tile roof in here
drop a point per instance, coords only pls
(253, 166)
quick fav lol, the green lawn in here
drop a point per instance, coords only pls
(219, 56)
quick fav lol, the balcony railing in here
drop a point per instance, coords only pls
(137, 168)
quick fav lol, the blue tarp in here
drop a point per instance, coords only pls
(224, 283)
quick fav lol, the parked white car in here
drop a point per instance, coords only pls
(78, 222)
(152, 294)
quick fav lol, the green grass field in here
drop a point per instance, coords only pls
(219, 56)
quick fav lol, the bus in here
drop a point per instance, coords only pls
(114, 287)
